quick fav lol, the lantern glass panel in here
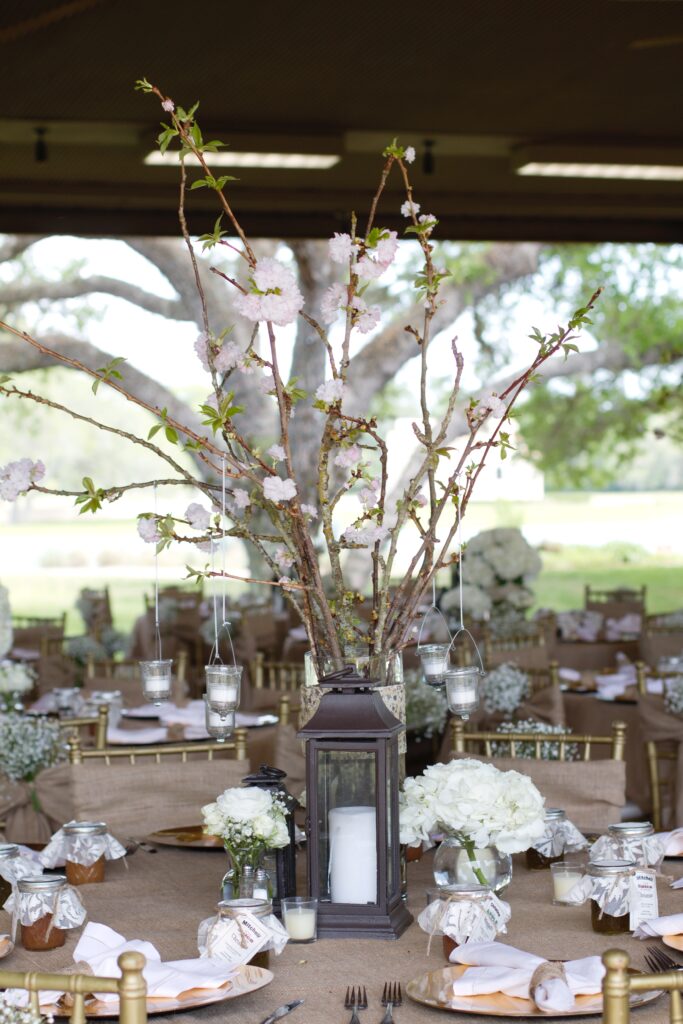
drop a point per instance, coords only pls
(391, 774)
(347, 825)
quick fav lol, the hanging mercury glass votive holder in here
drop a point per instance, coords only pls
(219, 727)
(157, 680)
(223, 688)
(462, 690)
(435, 661)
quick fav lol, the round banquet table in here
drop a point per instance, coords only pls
(163, 897)
(586, 713)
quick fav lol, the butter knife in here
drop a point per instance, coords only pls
(282, 1011)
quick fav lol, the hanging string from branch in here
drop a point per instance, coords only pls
(157, 627)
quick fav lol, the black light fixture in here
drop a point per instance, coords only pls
(40, 147)
(428, 160)
(281, 864)
(352, 783)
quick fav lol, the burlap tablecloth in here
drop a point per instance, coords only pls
(162, 897)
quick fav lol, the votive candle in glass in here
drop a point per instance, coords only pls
(462, 690)
(220, 727)
(223, 687)
(156, 680)
(435, 661)
(300, 918)
(565, 876)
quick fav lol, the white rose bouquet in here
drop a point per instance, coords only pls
(250, 821)
(475, 803)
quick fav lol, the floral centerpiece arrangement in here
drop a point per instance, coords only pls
(250, 821)
(309, 518)
(479, 810)
(5, 622)
(13, 1014)
(499, 568)
(426, 706)
(504, 688)
(28, 745)
(673, 694)
(16, 679)
(548, 751)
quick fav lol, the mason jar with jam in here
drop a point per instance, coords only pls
(79, 836)
(457, 896)
(628, 840)
(610, 901)
(534, 858)
(8, 853)
(38, 898)
(230, 909)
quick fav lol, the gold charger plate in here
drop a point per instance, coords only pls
(191, 836)
(675, 941)
(247, 979)
(431, 990)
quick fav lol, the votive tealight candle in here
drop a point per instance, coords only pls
(565, 877)
(223, 687)
(299, 915)
(156, 679)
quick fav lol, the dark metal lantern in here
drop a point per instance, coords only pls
(352, 784)
(284, 860)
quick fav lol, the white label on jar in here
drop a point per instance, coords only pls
(237, 941)
(642, 897)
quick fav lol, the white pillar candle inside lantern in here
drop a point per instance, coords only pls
(156, 679)
(353, 855)
(220, 726)
(435, 661)
(223, 687)
(462, 690)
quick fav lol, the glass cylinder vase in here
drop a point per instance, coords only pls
(458, 863)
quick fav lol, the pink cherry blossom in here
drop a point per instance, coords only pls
(370, 493)
(331, 391)
(348, 457)
(490, 402)
(365, 535)
(201, 348)
(148, 529)
(17, 477)
(277, 452)
(332, 301)
(309, 510)
(276, 489)
(168, 105)
(241, 497)
(409, 155)
(228, 357)
(283, 558)
(410, 208)
(276, 297)
(197, 516)
(340, 248)
(266, 383)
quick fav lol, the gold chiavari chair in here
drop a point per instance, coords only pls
(159, 752)
(276, 675)
(526, 650)
(619, 984)
(478, 742)
(88, 724)
(32, 631)
(541, 678)
(130, 988)
(662, 756)
(615, 602)
(129, 668)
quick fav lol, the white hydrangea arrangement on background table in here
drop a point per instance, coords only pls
(673, 694)
(266, 505)
(499, 568)
(504, 688)
(548, 751)
(16, 679)
(475, 803)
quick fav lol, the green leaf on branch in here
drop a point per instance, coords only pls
(165, 137)
(4, 378)
(142, 85)
(109, 372)
(219, 418)
(212, 238)
(218, 184)
(505, 444)
(171, 435)
(197, 574)
(91, 500)
(567, 347)
(296, 394)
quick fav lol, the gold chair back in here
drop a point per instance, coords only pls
(463, 742)
(129, 668)
(614, 603)
(33, 631)
(96, 725)
(527, 650)
(130, 988)
(161, 751)
(276, 675)
(662, 756)
(541, 678)
(618, 985)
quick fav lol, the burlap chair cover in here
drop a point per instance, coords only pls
(531, 656)
(593, 793)
(661, 726)
(279, 747)
(654, 646)
(34, 810)
(136, 799)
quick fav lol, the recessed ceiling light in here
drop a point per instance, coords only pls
(639, 172)
(269, 161)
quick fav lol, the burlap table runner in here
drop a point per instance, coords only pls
(163, 897)
(663, 727)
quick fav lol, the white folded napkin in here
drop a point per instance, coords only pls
(672, 924)
(100, 946)
(673, 842)
(143, 711)
(570, 675)
(499, 968)
(135, 737)
(192, 714)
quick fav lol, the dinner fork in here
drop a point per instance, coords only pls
(657, 960)
(356, 1000)
(391, 997)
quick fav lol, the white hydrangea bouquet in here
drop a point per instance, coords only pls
(15, 680)
(250, 821)
(499, 567)
(287, 504)
(505, 688)
(673, 695)
(475, 803)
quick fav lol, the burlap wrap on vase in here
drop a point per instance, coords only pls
(658, 725)
(394, 697)
(34, 810)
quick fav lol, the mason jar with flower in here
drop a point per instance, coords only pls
(483, 814)
(250, 821)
